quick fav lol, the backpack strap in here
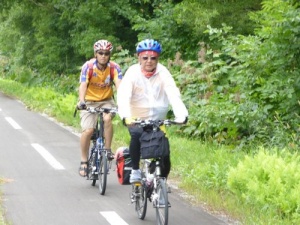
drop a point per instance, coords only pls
(91, 69)
(112, 67)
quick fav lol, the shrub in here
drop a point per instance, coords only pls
(270, 181)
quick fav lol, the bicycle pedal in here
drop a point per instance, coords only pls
(95, 177)
(169, 190)
(137, 183)
(132, 199)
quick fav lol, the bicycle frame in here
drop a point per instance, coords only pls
(99, 164)
(157, 192)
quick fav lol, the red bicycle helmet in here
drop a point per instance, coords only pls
(103, 45)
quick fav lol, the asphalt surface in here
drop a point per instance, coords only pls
(39, 159)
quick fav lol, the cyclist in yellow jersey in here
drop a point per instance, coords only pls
(96, 90)
(146, 92)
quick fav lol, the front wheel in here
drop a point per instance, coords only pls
(162, 203)
(102, 173)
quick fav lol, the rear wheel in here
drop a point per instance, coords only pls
(162, 203)
(102, 173)
(140, 200)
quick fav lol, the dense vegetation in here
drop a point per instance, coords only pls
(239, 79)
(236, 62)
(57, 35)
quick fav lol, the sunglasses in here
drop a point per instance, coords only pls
(103, 53)
(152, 58)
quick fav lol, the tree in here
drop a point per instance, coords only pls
(250, 86)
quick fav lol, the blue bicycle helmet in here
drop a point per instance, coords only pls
(148, 45)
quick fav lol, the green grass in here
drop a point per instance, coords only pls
(199, 168)
(2, 212)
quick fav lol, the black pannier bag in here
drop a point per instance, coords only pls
(154, 144)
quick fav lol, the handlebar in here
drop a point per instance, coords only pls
(102, 110)
(154, 123)
(99, 110)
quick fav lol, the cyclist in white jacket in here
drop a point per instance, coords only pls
(146, 91)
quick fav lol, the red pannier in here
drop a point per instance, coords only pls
(124, 165)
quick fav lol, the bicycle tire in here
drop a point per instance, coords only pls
(140, 200)
(161, 203)
(91, 165)
(102, 173)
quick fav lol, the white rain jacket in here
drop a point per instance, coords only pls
(149, 98)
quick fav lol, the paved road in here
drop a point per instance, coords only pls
(41, 159)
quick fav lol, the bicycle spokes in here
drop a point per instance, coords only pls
(139, 197)
(102, 173)
(161, 203)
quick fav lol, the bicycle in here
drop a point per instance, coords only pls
(98, 162)
(157, 190)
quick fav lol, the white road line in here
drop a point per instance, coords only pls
(47, 156)
(13, 123)
(113, 218)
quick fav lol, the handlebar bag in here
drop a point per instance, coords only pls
(154, 144)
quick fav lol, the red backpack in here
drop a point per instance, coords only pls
(124, 165)
(113, 65)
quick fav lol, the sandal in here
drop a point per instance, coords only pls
(83, 168)
(110, 155)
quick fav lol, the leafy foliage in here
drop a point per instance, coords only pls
(270, 181)
(238, 88)
(56, 36)
(249, 87)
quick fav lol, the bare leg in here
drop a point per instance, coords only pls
(85, 140)
(108, 130)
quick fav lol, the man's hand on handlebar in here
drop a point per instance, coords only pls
(81, 105)
(181, 120)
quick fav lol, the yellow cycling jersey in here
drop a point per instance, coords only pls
(100, 83)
